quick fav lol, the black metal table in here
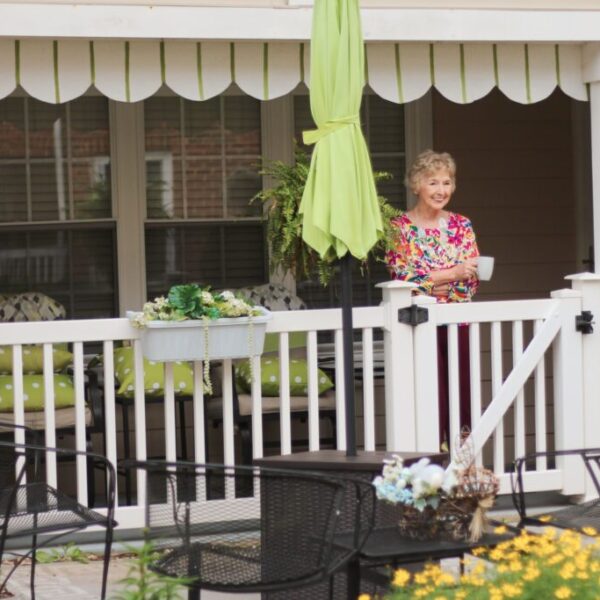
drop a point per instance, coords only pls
(387, 546)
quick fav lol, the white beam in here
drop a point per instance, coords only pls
(99, 21)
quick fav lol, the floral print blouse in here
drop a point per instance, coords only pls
(418, 251)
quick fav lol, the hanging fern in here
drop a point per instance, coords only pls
(288, 250)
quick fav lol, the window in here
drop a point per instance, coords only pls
(383, 126)
(58, 234)
(202, 169)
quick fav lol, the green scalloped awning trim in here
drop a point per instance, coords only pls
(399, 82)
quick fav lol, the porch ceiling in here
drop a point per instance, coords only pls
(129, 71)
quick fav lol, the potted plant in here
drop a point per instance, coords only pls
(194, 323)
(436, 502)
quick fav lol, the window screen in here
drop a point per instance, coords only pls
(58, 235)
(202, 169)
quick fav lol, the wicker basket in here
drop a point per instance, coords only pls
(449, 521)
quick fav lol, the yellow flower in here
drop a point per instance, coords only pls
(545, 519)
(401, 578)
(500, 530)
(478, 551)
(364, 597)
(589, 531)
(532, 573)
(563, 592)
(460, 595)
(511, 590)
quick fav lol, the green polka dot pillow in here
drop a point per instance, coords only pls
(34, 392)
(33, 359)
(269, 375)
(154, 375)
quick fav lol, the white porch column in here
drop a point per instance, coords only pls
(589, 286)
(400, 419)
(591, 75)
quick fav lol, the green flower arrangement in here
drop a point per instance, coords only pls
(194, 302)
(191, 301)
(530, 566)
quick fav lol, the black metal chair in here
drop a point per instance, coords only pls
(29, 507)
(575, 516)
(251, 529)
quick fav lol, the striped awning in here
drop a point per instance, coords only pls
(128, 71)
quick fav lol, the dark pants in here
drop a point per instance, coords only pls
(464, 372)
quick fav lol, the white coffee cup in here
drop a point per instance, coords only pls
(485, 267)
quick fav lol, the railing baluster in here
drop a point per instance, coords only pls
(110, 420)
(49, 416)
(368, 389)
(228, 432)
(199, 425)
(200, 440)
(80, 427)
(140, 420)
(170, 425)
(540, 406)
(313, 392)
(453, 386)
(257, 432)
(475, 374)
(18, 406)
(284, 394)
(496, 340)
(340, 394)
(519, 413)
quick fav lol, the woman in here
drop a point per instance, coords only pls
(436, 249)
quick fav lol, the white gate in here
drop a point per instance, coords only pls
(526, 393)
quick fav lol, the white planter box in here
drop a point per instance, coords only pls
(184, 340)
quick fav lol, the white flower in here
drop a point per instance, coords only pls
(450, 478)
(227, 295)
(207, 298)
(418, 488)
(433, 476)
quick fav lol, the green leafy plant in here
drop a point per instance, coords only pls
(284, 222)
(68, 552)
(142, 583)
(191, 301)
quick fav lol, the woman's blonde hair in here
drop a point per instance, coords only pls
(426, 163)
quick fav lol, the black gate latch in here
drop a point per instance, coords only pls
(413, 315)
(585, 322)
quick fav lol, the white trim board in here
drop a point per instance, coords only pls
(235, 23)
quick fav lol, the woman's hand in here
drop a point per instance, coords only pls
(465, 270)
(441, 290)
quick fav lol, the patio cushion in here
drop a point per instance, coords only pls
(63, 418)
(30, 306)
(33, 392)
(33, 359)
(154, 375)
(269, 374)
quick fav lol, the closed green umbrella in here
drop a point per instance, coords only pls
(341, 216)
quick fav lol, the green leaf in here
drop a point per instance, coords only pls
(186, 299)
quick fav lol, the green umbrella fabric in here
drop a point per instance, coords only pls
(339, 205)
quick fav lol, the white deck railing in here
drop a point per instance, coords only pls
(516, 333)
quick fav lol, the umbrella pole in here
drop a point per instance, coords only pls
(348, 346)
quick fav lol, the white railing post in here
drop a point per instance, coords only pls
(426, 379)
(568, 391)
(588, 284)
(400, 420)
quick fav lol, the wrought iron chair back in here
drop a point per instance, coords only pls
(251, 529)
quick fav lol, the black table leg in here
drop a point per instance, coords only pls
(353, 578)
(193, 594)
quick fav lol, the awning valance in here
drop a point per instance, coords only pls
(129, 71)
